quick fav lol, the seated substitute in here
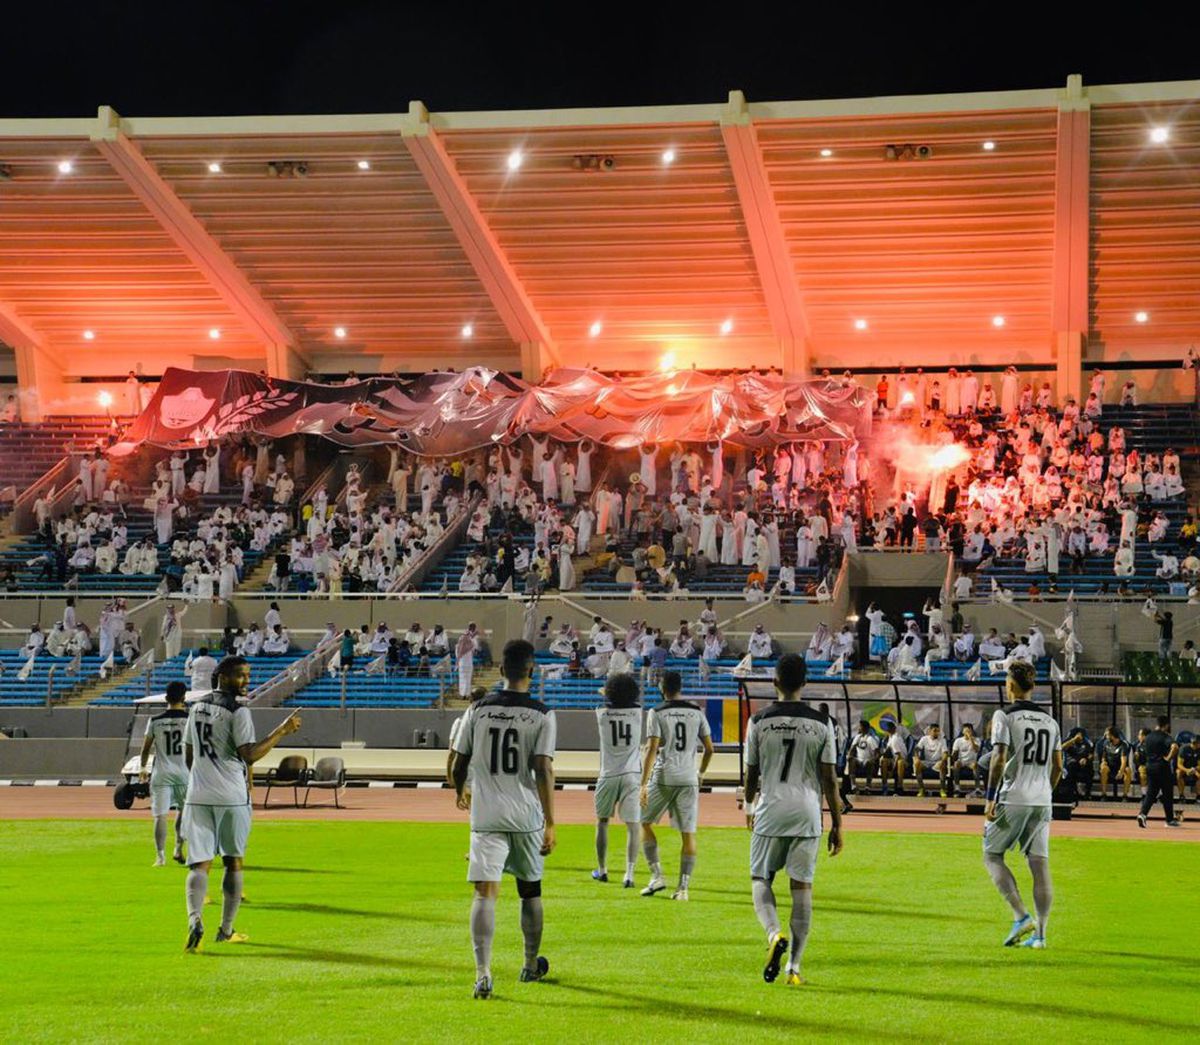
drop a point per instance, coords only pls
(893, 760)
(964, 758)
(1112, 755)
(1077, 752)
(1187, 768)
(931, 753)
(863, 756)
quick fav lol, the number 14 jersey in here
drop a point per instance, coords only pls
(1032, 737)
(502, 734)
(620, 741)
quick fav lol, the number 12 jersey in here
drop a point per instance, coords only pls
(1032, 737)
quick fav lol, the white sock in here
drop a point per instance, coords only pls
(196, 890)
(652, 858)
(1005, 882)
(160, 836)
(764, 906)
(687, 864)
(1043, 891)
(483, 928)
(801, 920)
(602, 845)
(631, 850)
(231, 889)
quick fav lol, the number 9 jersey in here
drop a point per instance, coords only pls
(1032, 737)
(501, 735)
(679, 725)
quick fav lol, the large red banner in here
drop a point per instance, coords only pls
(448, 413)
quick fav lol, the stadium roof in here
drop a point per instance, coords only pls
(727, 233)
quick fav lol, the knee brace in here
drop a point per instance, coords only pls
(529, 890)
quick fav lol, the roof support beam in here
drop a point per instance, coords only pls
(1072, 171)
(776, 275)
(178, 222)
(483, 250)
(39, 370)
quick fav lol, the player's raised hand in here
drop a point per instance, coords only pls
(290, 725)
(548, 840)
(835, 841)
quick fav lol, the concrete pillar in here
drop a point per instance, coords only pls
(39, 382)
(283, 361)
(1068, 364)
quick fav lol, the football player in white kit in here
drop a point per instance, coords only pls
(220, 749)
(620, 725)
(169, 775)
(791, 763)
(1025, 768)
(505, 750)
(670, 782)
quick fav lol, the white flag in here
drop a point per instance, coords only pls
(335, 663)
(1005, 596)
(704, 670)
(1056, 673)
(838, 665)
(27, 669)
(823, 593)
(974, 671)
(745, 666)
(997, 666)
(442, 667)
(108, 666)
(145, 662)
(1150, 608)
(377, 666)
(187, 664)
(76, 664)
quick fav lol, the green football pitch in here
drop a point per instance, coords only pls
(358, 932)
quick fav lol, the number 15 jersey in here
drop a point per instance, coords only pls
(216, 728)
(1032, 737)
(502, 735)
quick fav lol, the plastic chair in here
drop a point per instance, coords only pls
(329, 775)
(289, 773)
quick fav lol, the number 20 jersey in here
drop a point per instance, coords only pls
(502, 734)
(1032, 737)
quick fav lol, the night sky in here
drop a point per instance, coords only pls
(256, 57)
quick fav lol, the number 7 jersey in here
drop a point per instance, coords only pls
(502, 735)
(1032, 737)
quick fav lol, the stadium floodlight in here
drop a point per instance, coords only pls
(214, 167)
(89, 335)
(997, 321)
(339, 332)
(468, 330)
(364, 165)
(860, 324)
(214, 333)
(515, 159)
(595, 328)
(65, 166)
(668, 157)
(1160, 135)
(727, 327)
(1142, 317)
(826, 153)
(989, 146)
(105, 399)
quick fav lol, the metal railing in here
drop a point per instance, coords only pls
(432, 555)
(22, 515)
(293, 677)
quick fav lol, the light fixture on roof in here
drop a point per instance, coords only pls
(364, 165)
(468, 330)
(105, 399)
(89, 335)
(989, 146)
(1160, 134)
(860, 324)
(339, 332)
(214, 333)
(668, 157)
(515, 159)
(65, 166)
(727, 326)
(997, 321)
(1142, 317)
(826, 153)
(595, 328)
(214, 167)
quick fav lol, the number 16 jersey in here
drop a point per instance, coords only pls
(502, 735)
(1032, 737)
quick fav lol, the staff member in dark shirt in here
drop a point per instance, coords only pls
(1112, 755)
(1160, 782)
(1188, 768)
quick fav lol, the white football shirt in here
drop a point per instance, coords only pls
(170, 765)
(620, 740)
(789, 742)
(216, 728)
(1032, 737)
(679, 725)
